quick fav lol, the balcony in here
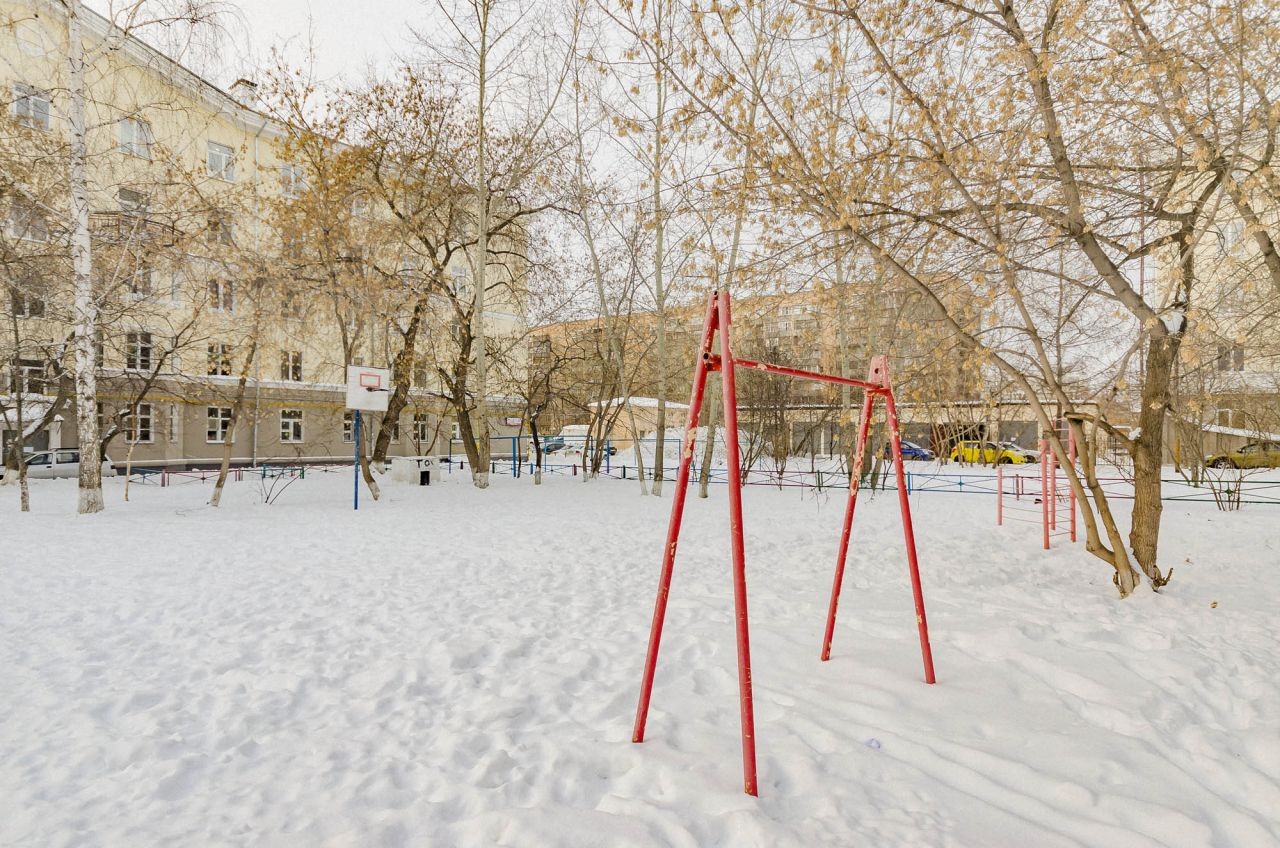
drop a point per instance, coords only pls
(131, 228)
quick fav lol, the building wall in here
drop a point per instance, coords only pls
(172, 237)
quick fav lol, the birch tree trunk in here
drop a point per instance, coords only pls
(15, 380)
(237, 408)
(659, 253)
(709, 446)
(480, 470)
(85, 307)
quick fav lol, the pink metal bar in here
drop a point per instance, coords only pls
(673, 527)
(1044, 490)
(730, 398)
(1053, 489)
(908, 533)
(807, 375)
(1071, 454)
(855, 480)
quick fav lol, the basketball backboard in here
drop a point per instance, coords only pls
(368, 388)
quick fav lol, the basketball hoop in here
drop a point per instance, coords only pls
(368, 388)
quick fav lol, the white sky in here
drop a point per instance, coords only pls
(347, 35)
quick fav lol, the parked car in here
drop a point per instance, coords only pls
(1251, 455)
(910, 450)
(992, 452)
(61, 463)
(572, 436)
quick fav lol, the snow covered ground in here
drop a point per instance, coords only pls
(455, 668)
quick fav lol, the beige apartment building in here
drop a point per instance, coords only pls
(818, 329)
(188, 186)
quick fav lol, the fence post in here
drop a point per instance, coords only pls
(1071, 454)
(999, 495)
(1044, 491)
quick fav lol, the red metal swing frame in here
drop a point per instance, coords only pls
(876, 385)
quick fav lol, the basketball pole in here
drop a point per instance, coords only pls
(355, 493)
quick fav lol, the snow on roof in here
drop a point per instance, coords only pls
(1236, 431)
(641, 402)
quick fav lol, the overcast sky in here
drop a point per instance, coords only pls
(348, 34)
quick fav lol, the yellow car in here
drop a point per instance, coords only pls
(1252, 455)
(990, 453)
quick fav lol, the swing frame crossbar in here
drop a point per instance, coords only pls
(876, 386)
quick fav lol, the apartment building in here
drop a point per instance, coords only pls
(190, 192)
(821, 328)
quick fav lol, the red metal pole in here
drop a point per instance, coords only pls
(729, 396)
(787, 371)
(999, 495)
(895, 439)
(677, 513)
(1071, 455)
(1053, 488)
(1044, 490)
(855, 479)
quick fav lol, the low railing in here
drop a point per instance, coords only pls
(121, 227)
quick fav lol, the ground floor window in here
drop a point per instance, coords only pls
(349, 426)
(291, 425)
(395, 429)
(421, 427)
(219, 423)
(139, 427)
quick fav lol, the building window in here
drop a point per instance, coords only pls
(135, 137)
(292, 180)
(26, 221)
(291, 365)
(421, 427)
(291, 425)
(291, 247)
(31, 106)
(137, 351)
(173, 423)
(454, 432)
(222, 162)
(140, 280)
(138, 426)
(291, 305)
(221, 296)
(31, 377)
(219, 359)
(220, 232)
(420, 373)
(349, 426)
(1230, 357)
(219, 424)
(99, 349)
(26, 301)
(132, 201)
(395, 429)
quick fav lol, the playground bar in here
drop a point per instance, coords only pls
(673, 531)
(807, 375)
(729, 392)
(855, 479)
(909, 536)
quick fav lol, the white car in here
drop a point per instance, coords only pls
(61, 463)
